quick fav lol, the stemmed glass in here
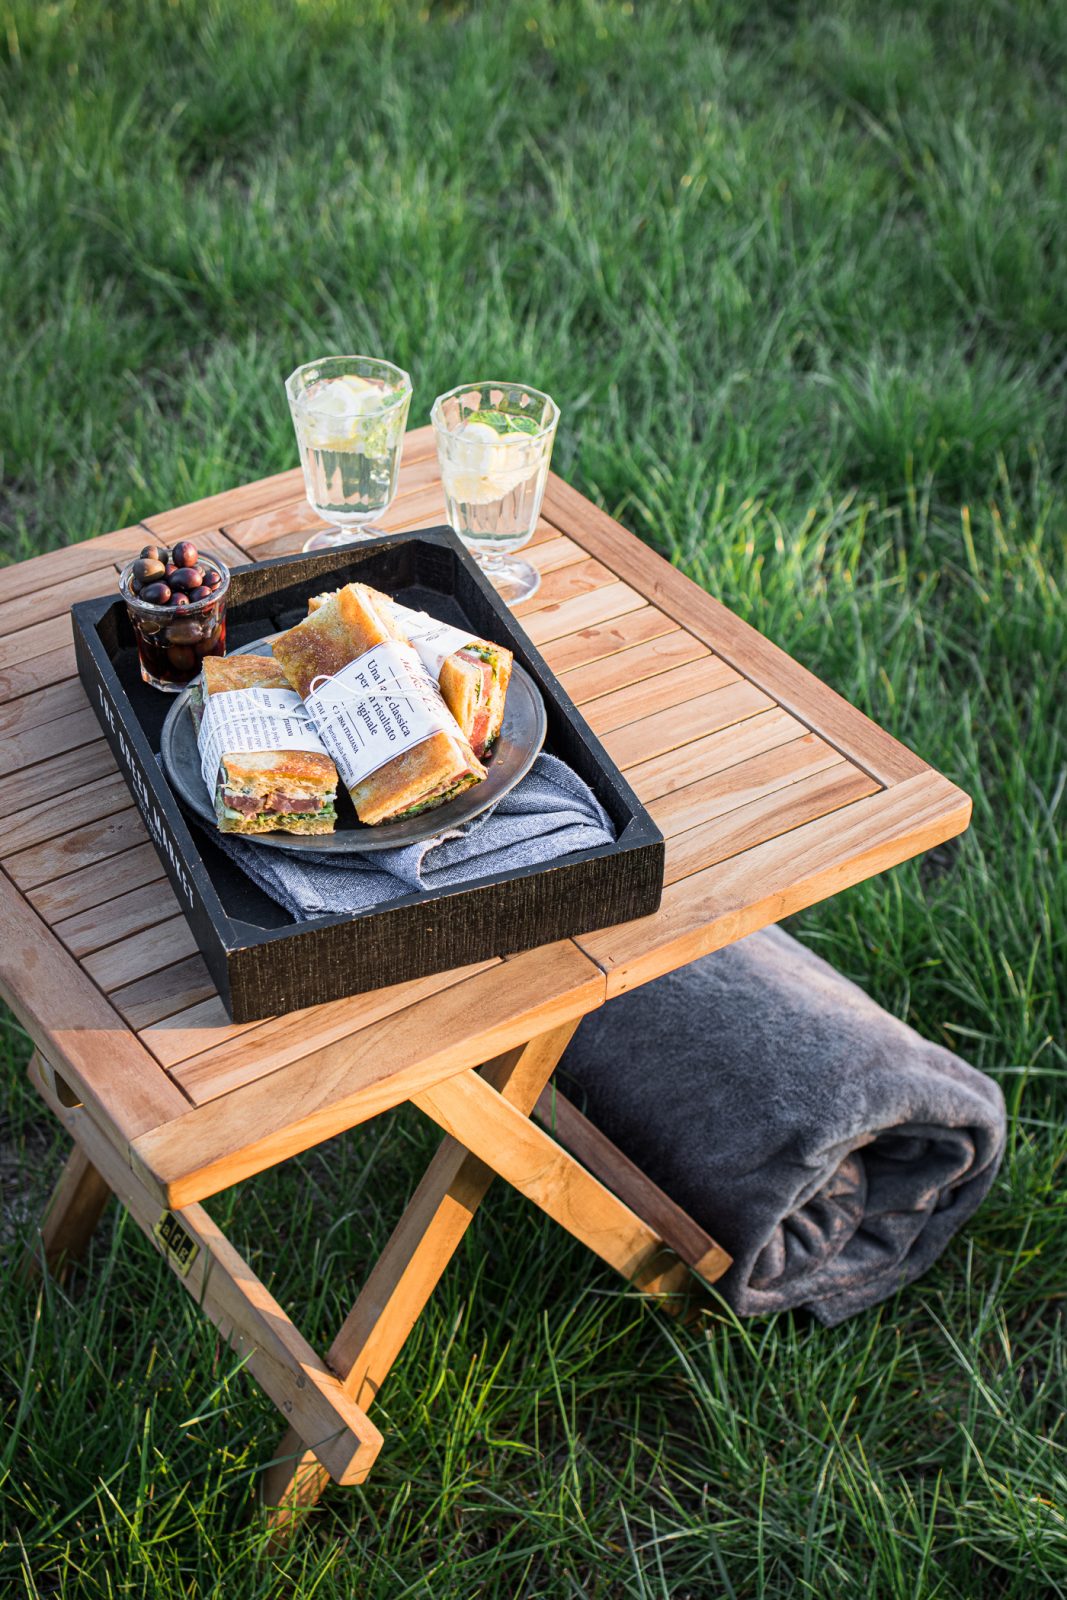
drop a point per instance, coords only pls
(349, 413)
(494, 445)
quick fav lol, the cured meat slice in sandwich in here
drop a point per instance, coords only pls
(473, 674)
(287, 790)
(379, 713)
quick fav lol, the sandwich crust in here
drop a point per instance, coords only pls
(222, 673)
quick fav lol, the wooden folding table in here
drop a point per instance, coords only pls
(771, 790)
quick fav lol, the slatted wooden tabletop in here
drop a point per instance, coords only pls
(772, 793)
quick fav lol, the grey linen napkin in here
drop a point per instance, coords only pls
(551, 813)
(820, 1140)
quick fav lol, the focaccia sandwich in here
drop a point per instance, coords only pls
(291, 789)
(473, 674)
(379, 713)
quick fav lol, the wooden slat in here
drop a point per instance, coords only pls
(332, 1089)
(40, 639)
(651, 736)
(252, 1322)
(119, 918)
(605, 1160)
(31, 785)
(284, 530)
(161, 944)
(636, 665)
(93, 842)
(75, 1028)
(257, 535)
(63, 818)
(740, 786)
(685, 686)
(70, 561)
(201, 517)
(778, 813)
(589, 644)
(584, 611)
(26, 677)
(784, 679)
(177, 988)
(564, 583)
(741, 893)
(45, 704)
(37, 744)
(212, 1072)
(56, 600)
(688, 763)
(94, 885)
(549, 553)
(196, 1028)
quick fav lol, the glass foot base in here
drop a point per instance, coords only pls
(512, 578)
(335, 538)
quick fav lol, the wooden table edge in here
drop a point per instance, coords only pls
(941, 810)
(196, 1154)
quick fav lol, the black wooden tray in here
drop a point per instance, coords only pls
(262, 961)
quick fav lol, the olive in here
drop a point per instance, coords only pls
(209, 645)
(179, 600)
(200, 594)
(148, 570)
(155, 552)
(156, 594)
(181, 657)
(185, 553)
(135, 587)
(183, 632)
(187, 578)
(170, 570)
(212, 577)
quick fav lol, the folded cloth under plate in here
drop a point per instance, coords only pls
(832, 1150)
(551, 813)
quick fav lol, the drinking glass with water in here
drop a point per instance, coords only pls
(349, 413)
(494, 445)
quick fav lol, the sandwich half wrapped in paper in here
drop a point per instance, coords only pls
(380, 714)
(264, 765)
(473, 674)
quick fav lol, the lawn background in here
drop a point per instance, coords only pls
(795, 274)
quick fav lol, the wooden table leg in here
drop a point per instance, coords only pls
(407, 1272)
(70, 1218)
(473, 1112)
(228, 1292)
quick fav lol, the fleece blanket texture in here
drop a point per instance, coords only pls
(832, 1150)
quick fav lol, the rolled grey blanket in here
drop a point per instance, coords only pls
(822, 1142)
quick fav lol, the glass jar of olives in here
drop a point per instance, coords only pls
(176, 599)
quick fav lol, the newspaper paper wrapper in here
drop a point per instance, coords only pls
(376, 708)
(434, 641)
(243, 720)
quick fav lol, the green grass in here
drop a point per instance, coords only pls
(795, 274)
